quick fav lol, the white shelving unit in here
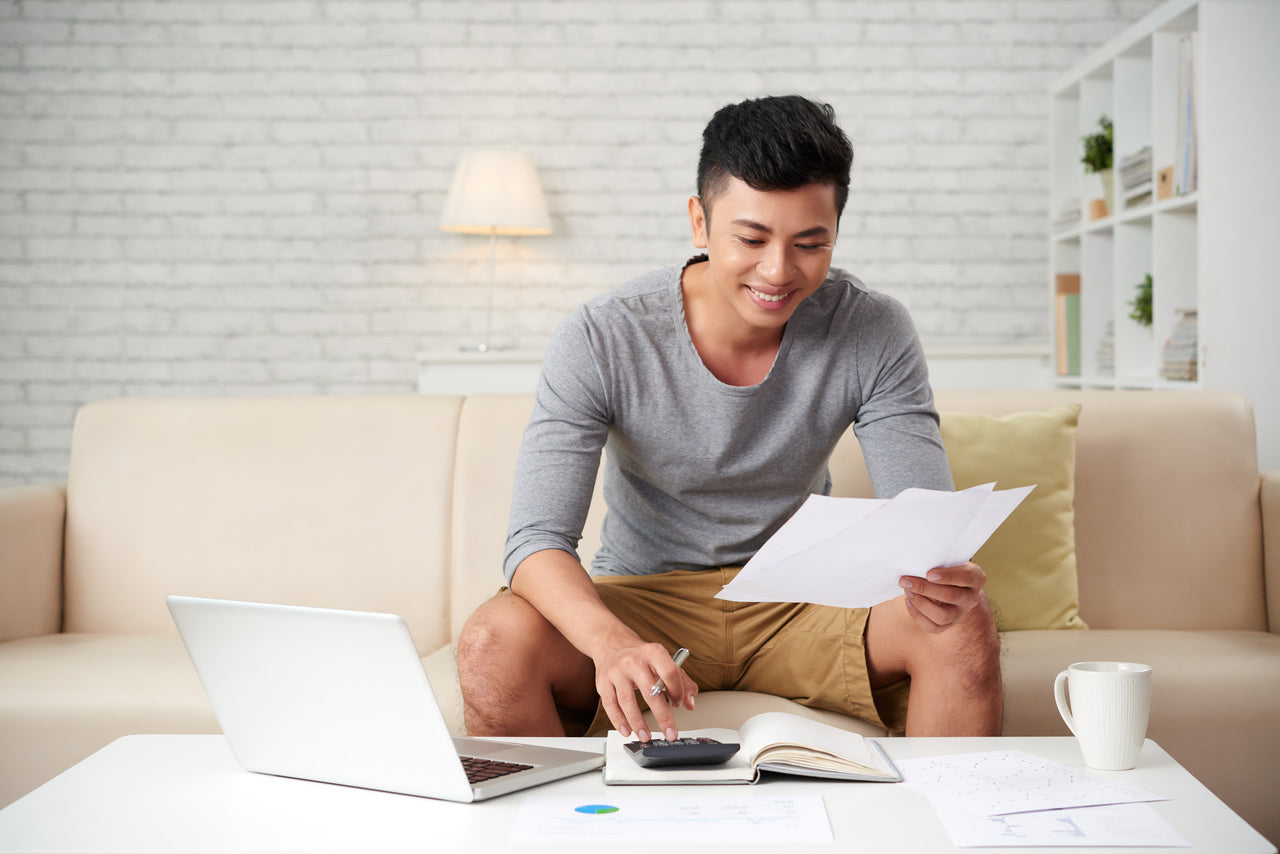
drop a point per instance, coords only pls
(1215, 247)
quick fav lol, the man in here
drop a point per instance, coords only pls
(719, 389)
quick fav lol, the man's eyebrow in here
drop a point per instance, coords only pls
(816, 231)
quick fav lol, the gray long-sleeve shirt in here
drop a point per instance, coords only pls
(699, 473)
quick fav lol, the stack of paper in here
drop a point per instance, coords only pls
(1135, 177)
(1179, 359)
(1010, 798)
(850, 552)
(1106, 355)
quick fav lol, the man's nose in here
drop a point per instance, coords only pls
(776, 267)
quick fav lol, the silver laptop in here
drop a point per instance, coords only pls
(341, 697)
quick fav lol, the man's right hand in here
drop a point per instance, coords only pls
(625, 669)
(560, 589)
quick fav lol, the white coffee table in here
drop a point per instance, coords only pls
(185, 793)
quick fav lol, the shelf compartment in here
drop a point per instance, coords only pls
(1097, 305)
(1131, 259)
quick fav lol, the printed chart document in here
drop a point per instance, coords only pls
(1010, 798)
(641, 817)
(1004, 782)
(1112, 826)
(850, 552)
(773, 741)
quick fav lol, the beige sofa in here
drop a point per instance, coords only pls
(399, 503)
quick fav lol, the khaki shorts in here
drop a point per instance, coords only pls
(812, 654)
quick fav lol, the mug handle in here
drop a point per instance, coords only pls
(1060, 694)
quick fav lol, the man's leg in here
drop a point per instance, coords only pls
(516, 670)
(955, 674)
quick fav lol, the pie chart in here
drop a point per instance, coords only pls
(595, 809)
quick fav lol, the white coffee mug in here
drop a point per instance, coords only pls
(1110, 702)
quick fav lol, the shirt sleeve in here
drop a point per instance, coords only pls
(560, 453)
(897, 424)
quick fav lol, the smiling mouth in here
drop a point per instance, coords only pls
(770, 298)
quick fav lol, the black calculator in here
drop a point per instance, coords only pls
(682, 751)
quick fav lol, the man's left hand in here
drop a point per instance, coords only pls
(944, 595)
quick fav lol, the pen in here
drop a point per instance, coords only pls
(678, 658)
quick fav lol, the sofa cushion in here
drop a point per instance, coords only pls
(32, 519)
(490, 428)
(338, 502)
(65, 696)
(1168, 533)
(1030, 560)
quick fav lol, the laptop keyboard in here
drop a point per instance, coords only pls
(479, 769)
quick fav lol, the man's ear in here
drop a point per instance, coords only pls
(698, 222)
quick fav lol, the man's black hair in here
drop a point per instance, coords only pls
(775, 143)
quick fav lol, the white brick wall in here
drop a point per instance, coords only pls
(226, 197)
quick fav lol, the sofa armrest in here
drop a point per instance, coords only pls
(1271, 545)
(32, 519)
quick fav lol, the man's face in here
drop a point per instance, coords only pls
(767, 250)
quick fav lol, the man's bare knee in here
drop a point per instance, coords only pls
(515, 668)
(493, 648)
(903, 648)
(505, 639)
(965, 655)
(495, 631)
(975, 645)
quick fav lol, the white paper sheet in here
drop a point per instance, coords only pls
(850, 552)
(1118, 825)
(1004, 782)
(637, 817)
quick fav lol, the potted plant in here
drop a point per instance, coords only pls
(1097, 159)
(1141, 303)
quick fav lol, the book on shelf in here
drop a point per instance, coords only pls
(1178, 361)
(773, 741)
(1068, 215)
(1135, 177)
(1136, 170)
(1139, 197)
(1186, 149)
(1105, 357)
(1067, 323)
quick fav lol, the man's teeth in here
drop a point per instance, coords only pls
(767, 297)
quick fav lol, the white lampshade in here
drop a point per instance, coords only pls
(496, 192)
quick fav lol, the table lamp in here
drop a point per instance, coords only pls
(493, 193)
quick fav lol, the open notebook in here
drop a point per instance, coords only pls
(773, 741)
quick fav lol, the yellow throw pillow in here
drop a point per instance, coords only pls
(1030, 560)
